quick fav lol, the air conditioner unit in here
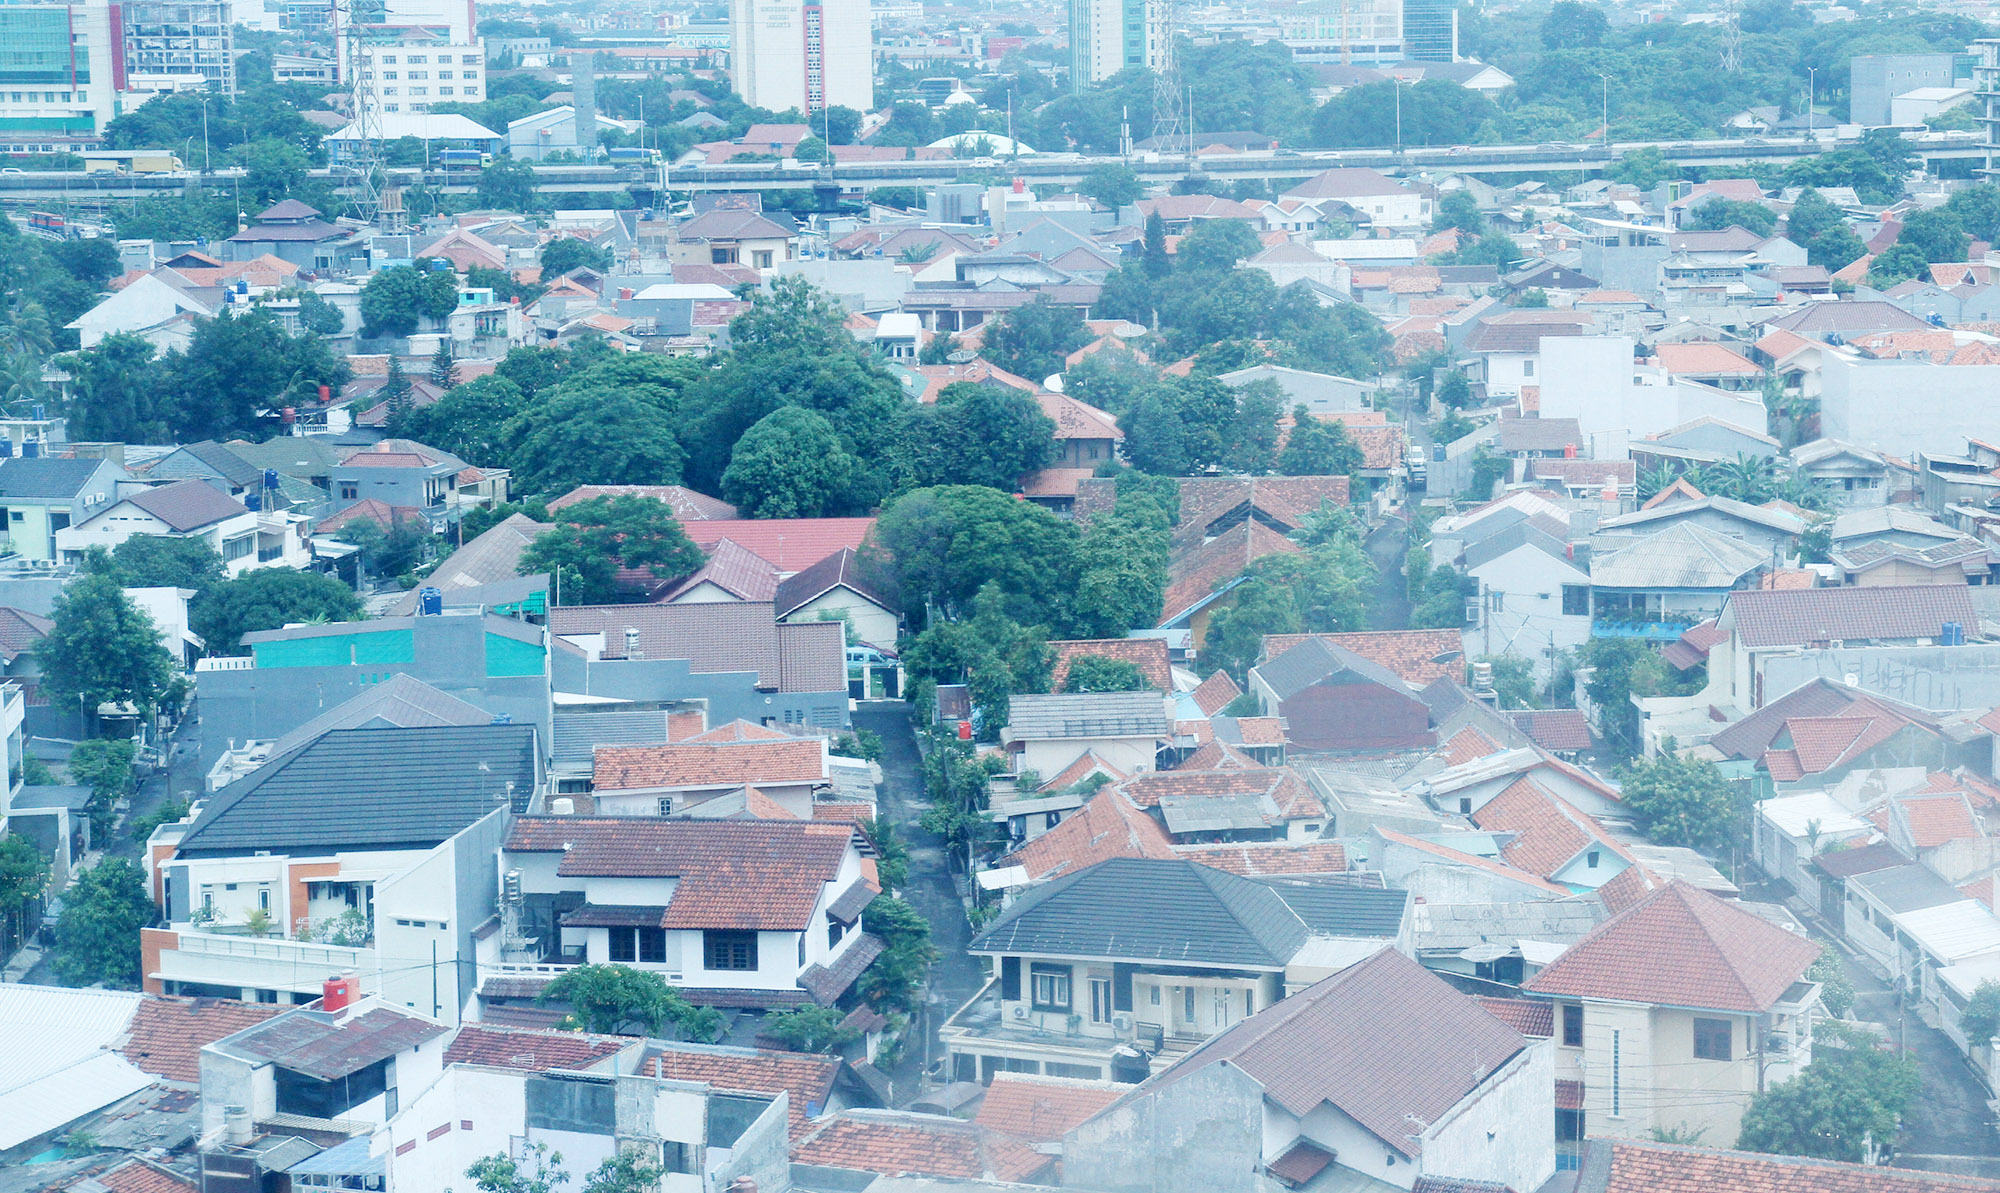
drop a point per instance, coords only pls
(1020, 1012)
(1472, 613)
(1121, 1023)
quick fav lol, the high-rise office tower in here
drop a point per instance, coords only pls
(1107, 36)
(809, 56)
(175, 43)
(60, 75)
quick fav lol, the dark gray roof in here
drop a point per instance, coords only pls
(1907, 888)
(1313, 660)
(225, 463)
(1518, 535)
(188, 505)
(33, 797)
(1114, 909)
(578, 734)
(45, 477)
(399, 702)
(362, 788)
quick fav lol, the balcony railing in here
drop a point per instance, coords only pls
(1652, 627)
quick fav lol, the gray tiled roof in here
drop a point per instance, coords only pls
(45, 477)
(400, 702)
(1796, 617)
(1686, 555)
(361, 788)
(1315, 659)
(188, 505)
(1114, 909)
(1098, 714)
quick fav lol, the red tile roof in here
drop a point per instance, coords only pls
(736, 570)
(1529, 1016)
(1107, 827)
(1704, 359)
(1473, 860)
(1042, 1109)
(1149, 655)
(1260, 731)
(917, 1145)
(1289, 792)
(534, 1051)
(721, 763)
(1202, 569)
(1681, 947)
(1262, 859)
(1631, 1166)
(166, 1035)
(1213, 694)
(1469, 745)
(766, 875)
(1549, 830)
(1418, 657)
(1931, 821)
(688, 505)
(139, 1176)
(807, 1078)
(1554, 729)
(789, 544)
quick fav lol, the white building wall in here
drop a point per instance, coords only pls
(1529, 620)
(1503, 1131)
(1906, 406)
(411, 76)
(1593, 380)
(772, 62)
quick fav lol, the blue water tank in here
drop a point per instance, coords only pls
(253, 501)
(501, 718)
(270, 478)
(430, 600)
(38, 411)
(30, 448)
(6, 447)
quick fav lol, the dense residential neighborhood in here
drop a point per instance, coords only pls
(871, 597)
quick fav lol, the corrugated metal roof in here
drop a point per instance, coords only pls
(59, 1061)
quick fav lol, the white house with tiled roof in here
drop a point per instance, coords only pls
(1675, 1012)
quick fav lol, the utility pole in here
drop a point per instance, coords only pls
(1812, 90)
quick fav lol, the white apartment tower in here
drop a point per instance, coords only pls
(408, 70)
(1107, 36)
(809, 56)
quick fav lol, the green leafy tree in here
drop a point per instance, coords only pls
(809, 1029)
(105, 766)
(1836, 248)
(792, 464)
(1836, 993)
(615, 999)
(978, 434)
(539, 1170)
(1454, 391)
(155, 561)
(507, 185)
(267, 599)
(1031, 341)
(1683, 801)
(274, 170)
(471, 421)
(893, 981)
(626, 1172)
(1621, 669)
(1898, 263)
(892, 856)
(1121, 573)
(24, 875)
(1854, 1093)
(593, 433)
(1981, 1018)
(97, 935)
(396, 390)
(1434, 112)
(1318, 447)
(1644, 168)
(1322, 590)
(592, 539)
(1811, 214)
(444, 367)
(239, 367)
(392, 302)
(115, 392)
(316, 314)
(393, 551)
(103, 649)
(1112, 184)
(1714, 215)
(1571, 25)
(935, 548)
(1095, 673)
(1937, 234)
(565, 253)
(995, 656)
(1458, 209)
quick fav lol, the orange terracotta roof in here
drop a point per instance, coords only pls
(1107, 827)
(1042, 1109)
(917, 1145)
(723, 763)
(534, 1051)
(1633, 1166)
(1682, 947)
(1213, 694)
(1202, 570)
(1549, 830)
(1461, 858)
(1418, 657)
(141, 1176)
(1704, 359)
(1149, 655)
(1260, 859)
(808, 1078)
(1469, 745)
(166, 1035)
(1932, 821)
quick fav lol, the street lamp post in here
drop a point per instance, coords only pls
(1605, 115)
(1812, 87)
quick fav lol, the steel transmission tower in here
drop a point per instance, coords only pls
(1163, 19)
(364, 199)
(1732, 35)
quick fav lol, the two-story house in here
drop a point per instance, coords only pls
(345, 1065)
(42, 496)
(1379, 1077)
(679, 777)
(365, 851)
(742, 913)
(193, 509)
(1674, 1013)
(398, 472)
(1126, 730)
(1120, 968)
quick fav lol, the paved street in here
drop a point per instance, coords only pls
(957, 976)
(1950, 1116)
